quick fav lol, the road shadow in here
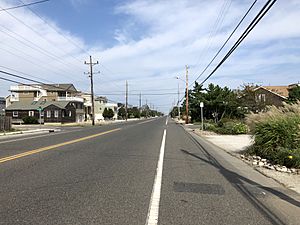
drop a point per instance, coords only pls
(240, 183)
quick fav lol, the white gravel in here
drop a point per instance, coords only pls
(237, 143)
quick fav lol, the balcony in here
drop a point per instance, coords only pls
(24, 88)
(75, 99)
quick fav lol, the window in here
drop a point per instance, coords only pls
(31, 113)
(261, 97)
(56, 113)
(48, 114)
(70, 113)
(15, 113)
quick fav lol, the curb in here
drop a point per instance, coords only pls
(29, 132)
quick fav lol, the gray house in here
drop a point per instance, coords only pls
(50, 111)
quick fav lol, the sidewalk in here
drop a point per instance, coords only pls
(234, 144)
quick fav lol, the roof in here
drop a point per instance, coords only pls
(32, 105)
(52, 87)
(281, 91)
(59, 87)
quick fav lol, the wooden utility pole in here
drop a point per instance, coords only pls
(140, 104)
(187, 94)
(126, 101)
(178, 107)
(92, 87)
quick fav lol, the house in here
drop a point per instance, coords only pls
(271, 95)
(2, 106)
(47, 111)
(100, 103)
(44, 92)
(57, 103)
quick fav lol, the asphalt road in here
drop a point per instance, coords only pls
(135, 173)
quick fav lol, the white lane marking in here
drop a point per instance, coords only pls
(152, 217)
(167, 121)
(147, 121)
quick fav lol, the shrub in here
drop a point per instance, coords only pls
(277, 134)
(30, 120)
(227, 127)
(240, 128)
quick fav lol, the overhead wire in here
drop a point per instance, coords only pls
(214, 30)
(56, 30)
(36, 32)
(29, 79)
(24, 5)
(26, 74)
(35, 47)
(251, 26)
(226, 41)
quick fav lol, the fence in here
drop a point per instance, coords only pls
(5, 123)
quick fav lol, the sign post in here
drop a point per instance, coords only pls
(201, 107)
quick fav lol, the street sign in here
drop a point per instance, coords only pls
(201, 104)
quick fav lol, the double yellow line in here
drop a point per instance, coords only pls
(35, 151)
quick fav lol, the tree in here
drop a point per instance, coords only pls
(294, 95)
(133, 112)
(108, 113)
(218, 102)
(122, 113)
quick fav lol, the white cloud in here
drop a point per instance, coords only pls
(156, 41)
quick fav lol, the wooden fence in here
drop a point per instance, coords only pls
(5, 123)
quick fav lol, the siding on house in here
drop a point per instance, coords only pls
(268, 98)
(59, 112)
(271, 95)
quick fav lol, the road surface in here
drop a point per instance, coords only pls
(142, 172)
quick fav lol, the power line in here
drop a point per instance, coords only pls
(41, 64)
(218, 52)
(57, 31)
(33, 46)
(24, 5)
(251, 26)
(24, 73)
(43, 37)
(215, 29)
(28, 79)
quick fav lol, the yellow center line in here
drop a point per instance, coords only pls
(35, 151)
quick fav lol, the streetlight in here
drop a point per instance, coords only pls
(178, 107)
(187, 94)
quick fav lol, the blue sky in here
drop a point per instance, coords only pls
(148, 43)
(95, 21)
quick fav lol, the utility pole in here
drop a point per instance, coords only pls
(140, 104)
(178, 107)
(92, 87)
(126, 101)
(187, 94)
(146, 108)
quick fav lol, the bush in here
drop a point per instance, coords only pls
(277, 134)
(227, 127)
(30, 120)
(240, 128)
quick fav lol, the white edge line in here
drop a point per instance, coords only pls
(153, 211)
